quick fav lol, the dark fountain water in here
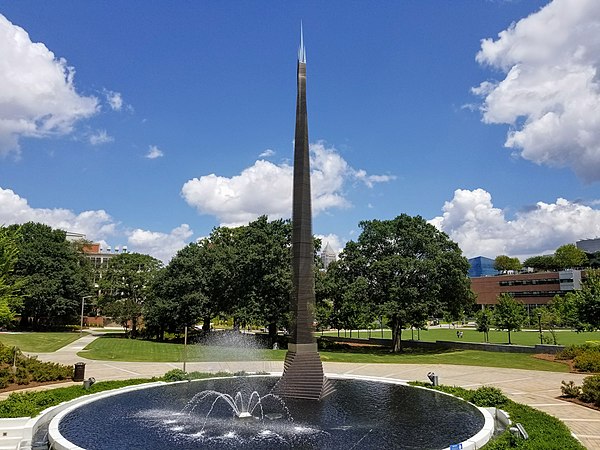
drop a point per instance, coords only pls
(241, 413)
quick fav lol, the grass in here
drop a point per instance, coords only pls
(38, 342)
(530, 337)
(117, 348)
(121, 349)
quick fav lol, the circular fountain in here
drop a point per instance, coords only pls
(242, 413)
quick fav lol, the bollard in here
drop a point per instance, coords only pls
(433, 378)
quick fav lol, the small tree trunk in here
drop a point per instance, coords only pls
(396, 336)
(272, 333)
(206, 324)
(509, 338)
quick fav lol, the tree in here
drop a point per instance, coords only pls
(509, 314)
(505, 263)
(265, 272)
(588, 299)
(569, 256)
(54, 274)
(10, 300)
(409, 265)
(484, 319)
(543, 262)
(125, 286)
(566, 311)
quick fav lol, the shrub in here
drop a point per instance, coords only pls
(487, 396)
(588, 361)
(590, 391)
(573, 351)
(570, 390)
(175, 375)
(6, 376)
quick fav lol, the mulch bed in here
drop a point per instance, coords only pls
(32, 384)
(552, 358)
(579, 402)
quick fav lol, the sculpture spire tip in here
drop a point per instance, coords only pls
(301, 49)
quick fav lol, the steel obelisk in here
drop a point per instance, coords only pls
(303, 372)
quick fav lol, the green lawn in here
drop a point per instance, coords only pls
(117, 348)
(121, 349)
(38, 342)
(471, 335)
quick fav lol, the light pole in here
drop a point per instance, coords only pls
(185, 347)
(82, 305)
(539, 314)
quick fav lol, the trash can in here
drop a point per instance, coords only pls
(79, 374)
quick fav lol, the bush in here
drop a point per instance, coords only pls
(176, 375)
(29, 404)
(487, 396)
(541, 427)
(588, 361)
(590, 391)
(570, 390)
(573, 351)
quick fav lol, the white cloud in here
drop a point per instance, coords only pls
(550, 95)
(160, 245)
(38, 97)
(337, 244)
(114, 99)
(471, 220)
(95, 225)
(154, 152)
(100, 137)
(266, 188)
(267, 153)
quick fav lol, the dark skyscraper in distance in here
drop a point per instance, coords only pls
(303, 372)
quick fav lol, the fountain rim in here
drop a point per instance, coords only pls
(59, 442)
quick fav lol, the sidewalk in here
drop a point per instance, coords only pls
(534, 388)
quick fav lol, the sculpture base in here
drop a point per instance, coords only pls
(303, 376)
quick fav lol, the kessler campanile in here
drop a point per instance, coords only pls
(303, 375)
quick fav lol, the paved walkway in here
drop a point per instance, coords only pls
(534, 388)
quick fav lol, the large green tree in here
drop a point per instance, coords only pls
(543, 262)
(505, 263)
(569, 257)
(509, 314)
(10, 299)
(125, 287)
(265, 272)
(588, 299)
(54, 273)
(409, 266)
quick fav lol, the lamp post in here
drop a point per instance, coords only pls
(185, 347)
(539, 314)
(82, 305)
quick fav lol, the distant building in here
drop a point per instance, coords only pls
(328, 256)
(482, 267)
(100, 256)
(589, 245)
(531, 289)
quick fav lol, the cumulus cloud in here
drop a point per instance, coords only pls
(550, 95)
(267, 153)
(266, 188)
(100, 137)
(154, 152)
(335, 242)
(38, 96)
(471, 220)
(95, 225)
(160, 245)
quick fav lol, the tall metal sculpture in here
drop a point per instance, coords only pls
(303, 375)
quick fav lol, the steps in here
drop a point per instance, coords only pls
(303, 377)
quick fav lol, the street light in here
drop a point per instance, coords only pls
(539, 314)
(82, 305)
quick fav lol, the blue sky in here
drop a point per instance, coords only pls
(147, 124)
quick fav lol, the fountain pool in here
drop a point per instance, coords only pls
(361, 414)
